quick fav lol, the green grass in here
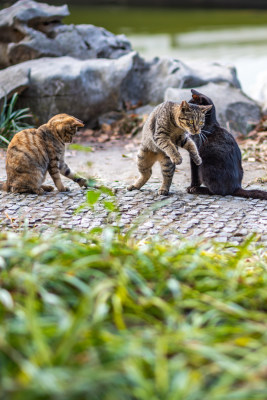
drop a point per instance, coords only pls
(157, 20)
(12, 120)
(99, 316)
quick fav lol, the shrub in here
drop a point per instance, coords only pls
(11, 121)
(101, 317)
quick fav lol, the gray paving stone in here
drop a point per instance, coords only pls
(181, 214)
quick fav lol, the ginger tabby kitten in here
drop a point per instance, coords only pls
(167, 127)
(34, 152)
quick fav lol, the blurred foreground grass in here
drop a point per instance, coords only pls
(99, 316)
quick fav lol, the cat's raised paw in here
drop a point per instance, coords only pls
(177, 159)
(198, 161)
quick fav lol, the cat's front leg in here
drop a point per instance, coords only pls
(66, 171)
(191, 147)
(55, 175)
(195, 179)
(165, 144)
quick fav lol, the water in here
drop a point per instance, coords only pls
(229, 37)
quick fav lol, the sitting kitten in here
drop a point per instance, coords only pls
(167, 128)
(221, 169)
(33, 152)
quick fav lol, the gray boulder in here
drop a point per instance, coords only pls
(84, 88)
(90, 88)
(167, 72)
(235, 111)
(30, 30)
(13, 80)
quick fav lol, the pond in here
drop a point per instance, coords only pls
(230, 37)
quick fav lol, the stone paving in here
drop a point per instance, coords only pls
(180, 214)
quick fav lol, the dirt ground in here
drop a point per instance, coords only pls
(115, 162)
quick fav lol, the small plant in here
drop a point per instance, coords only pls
(11, 121)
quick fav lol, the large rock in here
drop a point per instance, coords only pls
(87, 71)
(89, 88)
(84, 88)
(13, 81)
(167, 72)
(148, 81)
(260, 90)
(235, 111)
(30, 30)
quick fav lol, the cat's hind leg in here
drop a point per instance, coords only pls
(29, 190)
(145, 161)
(47, 188)
(167, 170)
(25, 182)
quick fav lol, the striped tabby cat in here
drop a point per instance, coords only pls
(167, 127)
(34, 152)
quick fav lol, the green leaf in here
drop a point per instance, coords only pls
(92, 197)
(109, 205)
(4, 139)
(10, 119)
(79, 147)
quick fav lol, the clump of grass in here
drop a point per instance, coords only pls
(11, 120)
(98, 316)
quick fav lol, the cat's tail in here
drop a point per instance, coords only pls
(3, 186)
(253, 194)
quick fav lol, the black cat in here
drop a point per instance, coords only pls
(221, 170)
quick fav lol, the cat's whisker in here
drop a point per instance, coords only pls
(203, 138)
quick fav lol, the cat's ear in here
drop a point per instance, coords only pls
(184, 106)
(205, 109)
(77, 122)
(196, 97)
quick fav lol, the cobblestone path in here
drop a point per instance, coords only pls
(181, 214)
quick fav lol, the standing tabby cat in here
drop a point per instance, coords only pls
(33, 152)
(166, 128)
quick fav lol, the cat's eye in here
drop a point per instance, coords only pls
(191, 121)
(201, 123)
